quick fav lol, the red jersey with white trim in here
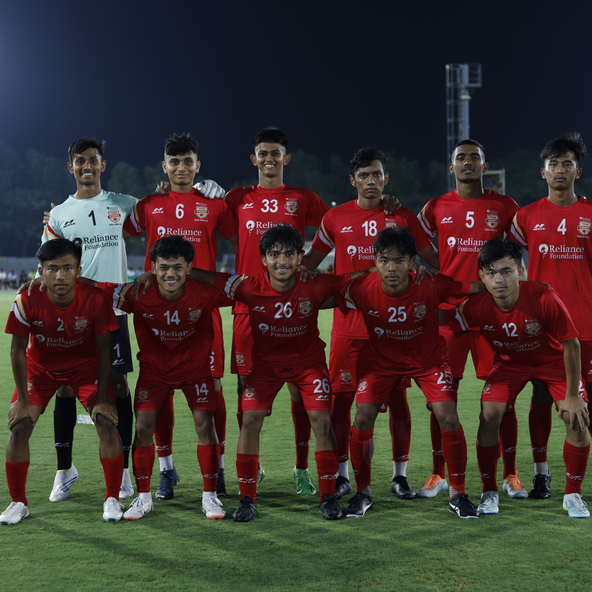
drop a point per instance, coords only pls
(175, 336)
(283, 324)
(258, 209)
(559, 242)
(403, 330)
(527, 335)
(62, 339)
(464, 226)
(190, 215)
(351, 231)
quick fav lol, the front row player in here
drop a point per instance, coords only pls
(173, 324)
(402, 321)
(70, 326)
(534, 338)
(283, 313)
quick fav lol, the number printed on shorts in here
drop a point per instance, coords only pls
(444, 378)
(399, 315)
(202, 392)
(172, 318)
(321, 386)
(283, 310)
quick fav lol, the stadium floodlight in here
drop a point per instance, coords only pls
(461, 79)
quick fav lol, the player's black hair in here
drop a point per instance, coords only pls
(79, 146)
(182, 144)
(470, 143)
(569, 142)
(498, 248)
(284, 235)
(364, 157)
(171, 247)
(54, 249)
(271, 135)
(398, 238)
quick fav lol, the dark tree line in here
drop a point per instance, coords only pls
(28, 185)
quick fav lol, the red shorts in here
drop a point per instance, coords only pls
(505, 382)
(586, 349)
(458, 347)
(377, 384)
(242, 344)
(217, 356)
(264, 383)
(152, 391)
(43, 384)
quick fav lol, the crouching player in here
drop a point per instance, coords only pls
(534, 338)
(70, 326)
(173, 324)
(283, 313)
(402, 321)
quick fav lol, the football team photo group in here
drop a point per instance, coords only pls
(411, 296)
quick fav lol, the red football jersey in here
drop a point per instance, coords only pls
(284, 325)
(258, 209)
(351, 231)
(62, 339)
(559, 242)
(403, 330)
(190, 215)
(175, 337)
(463, 226)
(528, 334)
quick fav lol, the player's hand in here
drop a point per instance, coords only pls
(46, 215)
(577, 413)
(391, 204)
(162, 188)
(306, 274)
(17, 412)
(211, 189)
(106, 409)
(422, 271)
(38, 281)
(144, 280)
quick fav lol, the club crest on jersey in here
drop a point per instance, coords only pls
(532, 327)
(250, 392)
(291, 206)
(201, 211)
(345, 376)
(143, 395)
(114, 216)
(492, 220)
(420, 311)
(584, 227)
(305, 307)
(390, 224)
(240, 359)
(362, 386)
(194, 314)
(81, 323)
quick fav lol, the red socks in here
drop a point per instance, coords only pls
(246, 470)
(113, 470)
(454, 448)
(327, 471)
(16, 476)
(163, 434)
(143, 463)
(208, 457)
(576, 461)
(220, 419)
(341, 422)
(400, 425)
(362, 450)
(540, 419)
(439, 465)
(488, 459)
(301, 432)
(509, 442)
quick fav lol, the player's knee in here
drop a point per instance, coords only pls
(21, 432)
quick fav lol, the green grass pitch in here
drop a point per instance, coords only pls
(415, 545)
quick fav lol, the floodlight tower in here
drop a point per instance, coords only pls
(460, 80)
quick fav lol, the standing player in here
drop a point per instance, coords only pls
(534, 338)
(185, 212)
(258, 208)
(173, 322)
(464, 219)
(70, 326)
(351, 230)
(283, 312)
(402, 321)
(557, 232)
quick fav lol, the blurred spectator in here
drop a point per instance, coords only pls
(32, 274)
(2, 279)
(329, 270)
(23, 278)
(11, 280)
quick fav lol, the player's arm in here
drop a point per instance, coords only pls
(20, 409)
(573, 404)
(430, 255)
(312, 259)
(104, 405)
(203, 276)
(476, 287)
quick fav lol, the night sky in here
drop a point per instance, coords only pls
(335, 76)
